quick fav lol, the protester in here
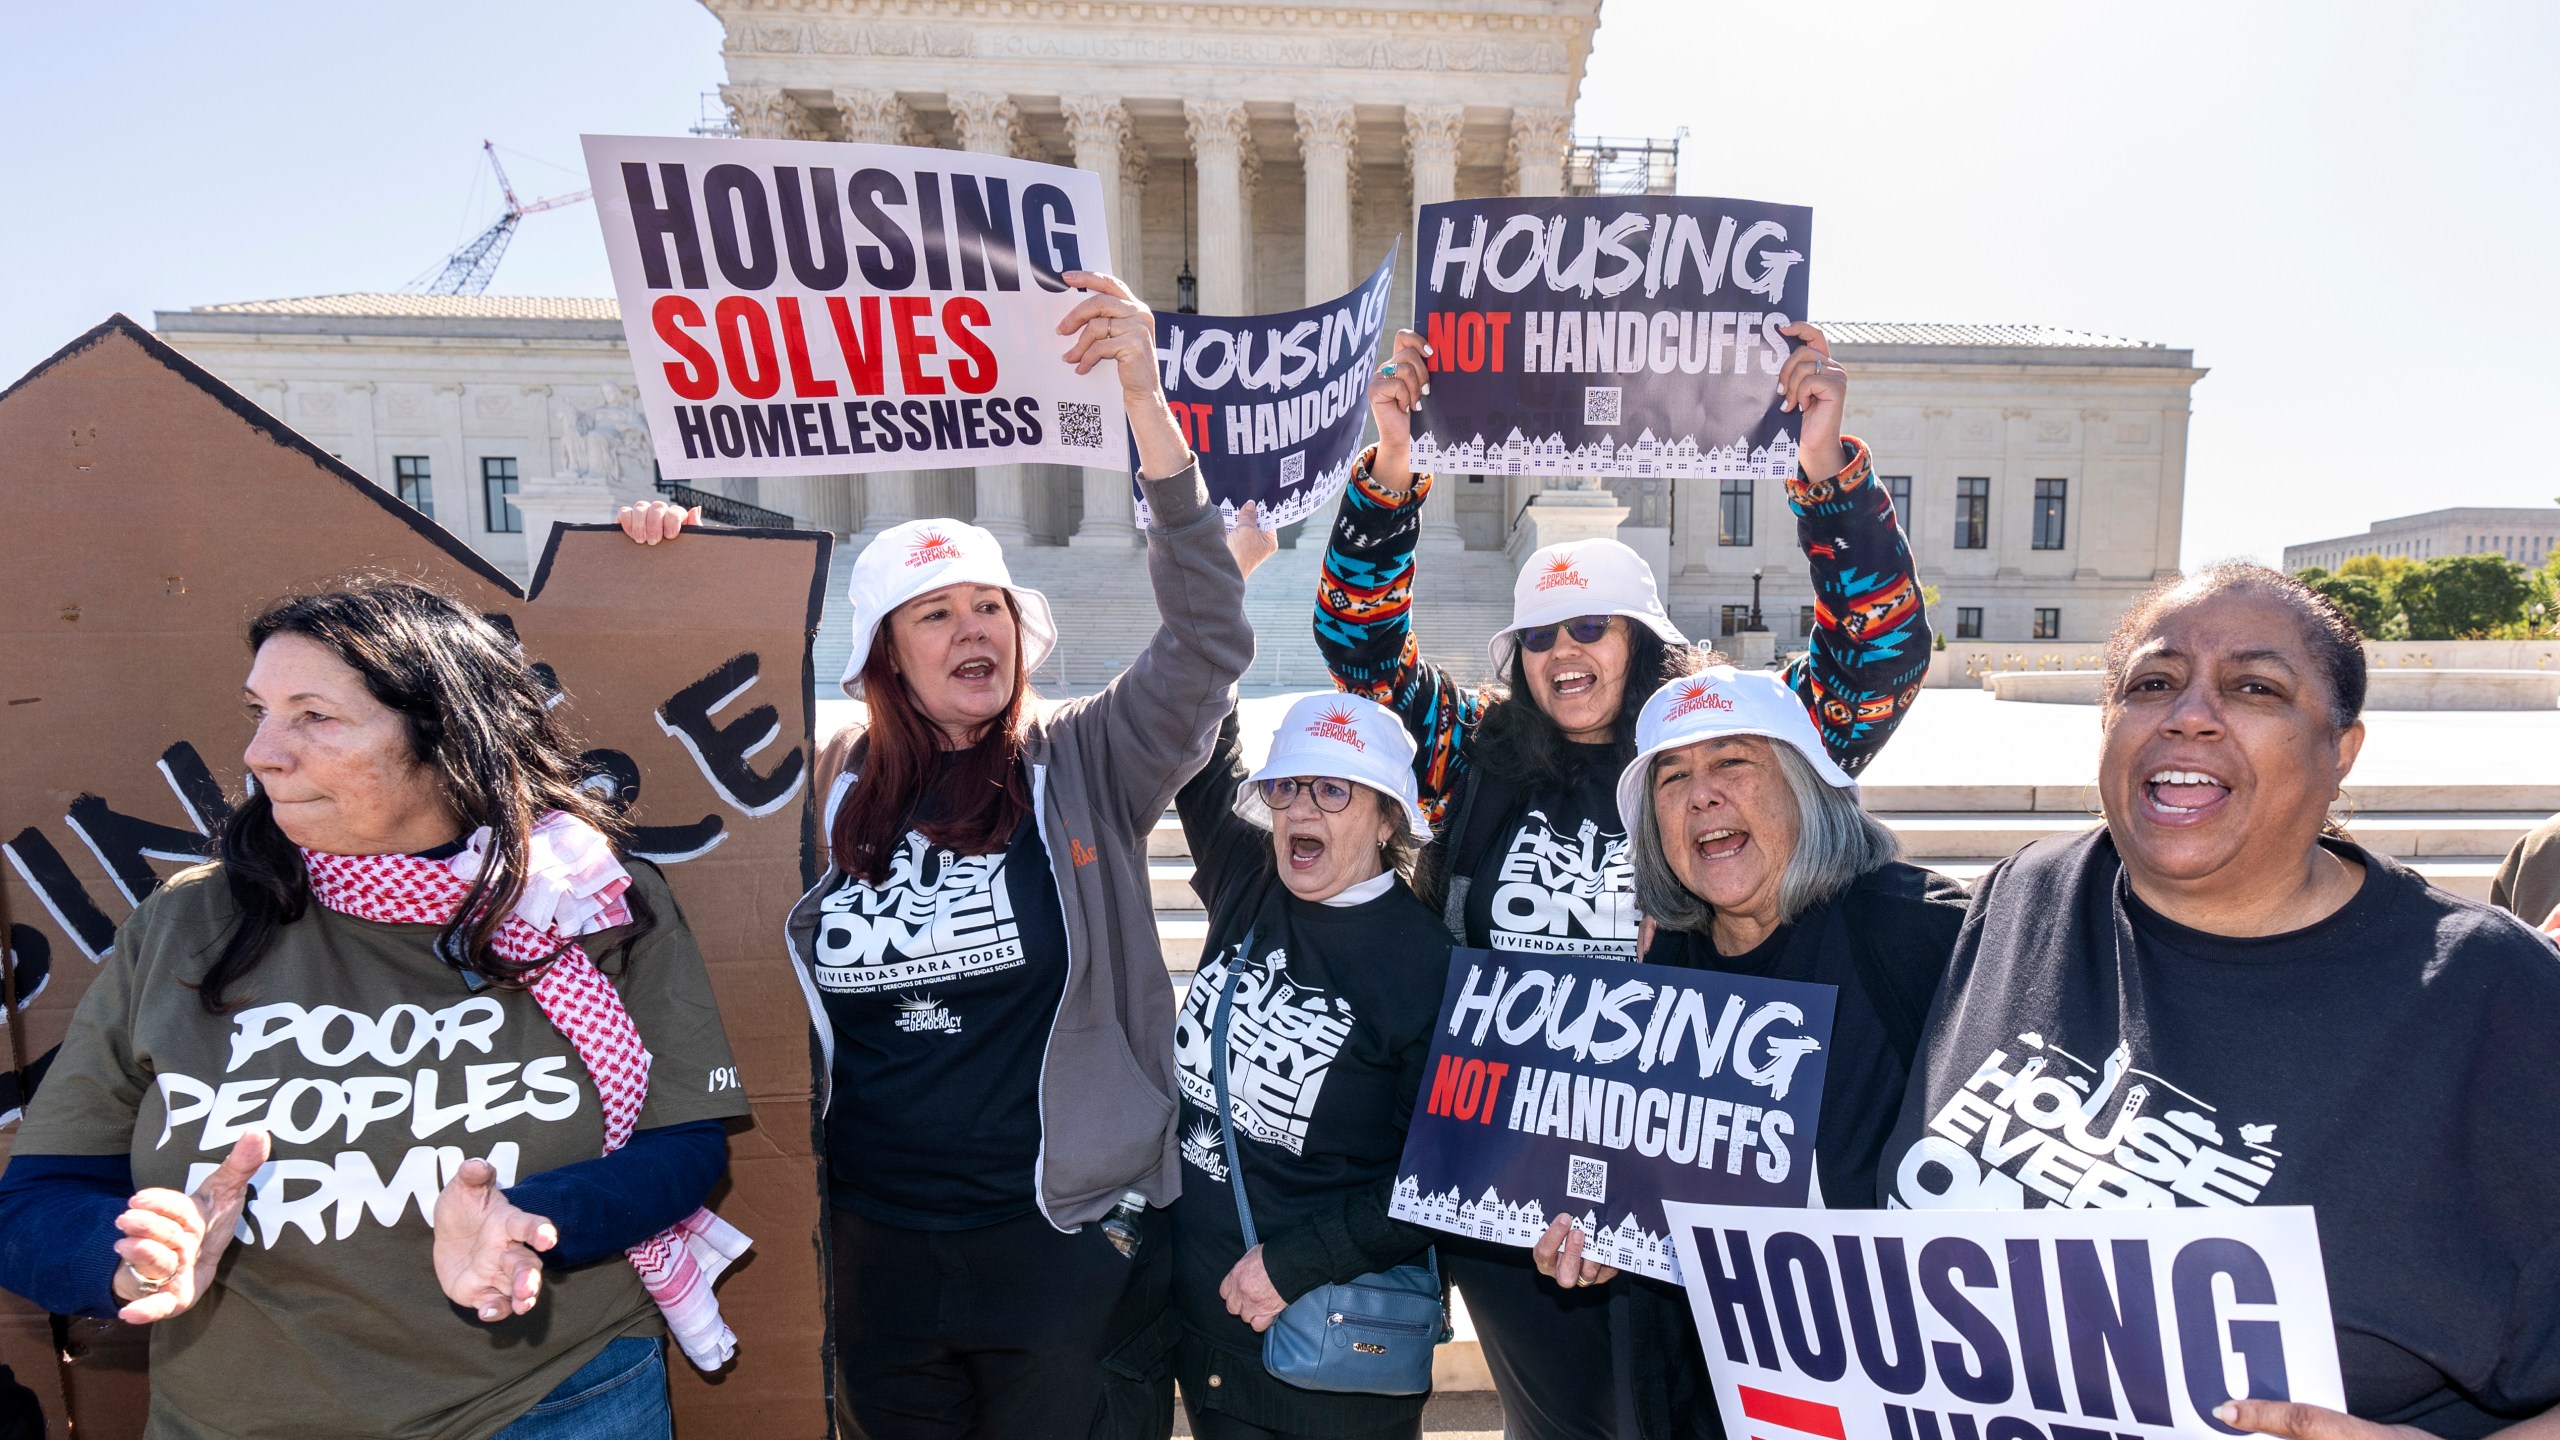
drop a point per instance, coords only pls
(418, 945)
(1752, 856)
(1531, 856)
(2215, 1001)
(2527, 884)
(981, 957)
(1336, 971)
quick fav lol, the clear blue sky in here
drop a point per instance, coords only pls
(2348, 210)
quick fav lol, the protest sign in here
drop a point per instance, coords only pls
(153, 510)
(799, 307)
(1616, 336)
(2005, 1324)
(1567, 1084)
(1274, 404)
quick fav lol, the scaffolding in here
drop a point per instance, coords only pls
(1601, 165)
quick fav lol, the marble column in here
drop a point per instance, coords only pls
(1131, 263)
(1219, 133)
(987, 122)
(1248, 188)
(1098, 128)
(764, 112)
(887, 497)
(875, 117)
(1539, 135)
(1431, 149)
(1326, 143)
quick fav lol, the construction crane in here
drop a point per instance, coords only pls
(467, 270)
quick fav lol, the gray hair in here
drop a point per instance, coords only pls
(1836, 842)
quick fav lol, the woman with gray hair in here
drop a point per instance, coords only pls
(1753, 856)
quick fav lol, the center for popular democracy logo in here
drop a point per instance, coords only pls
(1560, 571)
(1337, 724)
(929, 547)
(1697, 695)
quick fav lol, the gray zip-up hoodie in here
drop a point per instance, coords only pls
(1102, 770)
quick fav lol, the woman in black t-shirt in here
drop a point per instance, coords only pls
(1531, 857)
(1337, 972)
(2218, 999)
(1753, 857)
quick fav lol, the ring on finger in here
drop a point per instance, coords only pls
(1388, 370)
(145, 1285)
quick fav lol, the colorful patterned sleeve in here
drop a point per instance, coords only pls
(1870, 645)
(1364, 627)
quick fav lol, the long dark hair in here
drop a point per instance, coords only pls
(1521, 746)
(475, 712)
(972, 807)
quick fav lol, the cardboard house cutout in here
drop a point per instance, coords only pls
(151, 510)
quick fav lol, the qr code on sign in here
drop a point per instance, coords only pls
(1080, 425)
(1600, 404)
(1586, 1179)
(1293, 467)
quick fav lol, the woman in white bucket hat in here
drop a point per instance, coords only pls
(1531, 855)
(981, 958)
(1336, 971)
(1753, 856)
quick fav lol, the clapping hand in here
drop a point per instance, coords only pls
(173, 1243)
(488, 1252)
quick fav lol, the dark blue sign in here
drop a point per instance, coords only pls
(1617, 336)
(1274, 404)
(1599, 1089)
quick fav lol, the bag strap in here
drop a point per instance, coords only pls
(1226, 1113)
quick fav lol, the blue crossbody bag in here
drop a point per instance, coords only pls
(1370, 1335)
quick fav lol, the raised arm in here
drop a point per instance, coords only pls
(1870, 646)
(1225, 847)
(1156, 718)
(1364, 598)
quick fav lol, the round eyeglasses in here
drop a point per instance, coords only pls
(1585, 630)
(1331, 796)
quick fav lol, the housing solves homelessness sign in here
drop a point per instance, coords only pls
(1274, 404)
(2005, 1324)
(1602, 1088)
(1621, 336)
(798, 307)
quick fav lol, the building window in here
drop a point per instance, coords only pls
(2048, 622)
(2050, 495)
(498, 495)
(409, 476)
(1968, 622)
(1900, 488)
(1804, 622)
(1973, 512)
(1733, 619)
(1733, 512)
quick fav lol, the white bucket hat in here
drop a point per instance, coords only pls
(1575, 578)
(922, 556)
(1716, 702)
(1344, 737)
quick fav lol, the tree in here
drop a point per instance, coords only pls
(2461, 597)
(2363, 598)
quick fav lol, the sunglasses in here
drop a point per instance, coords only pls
(1585, 630)
(1331, 796)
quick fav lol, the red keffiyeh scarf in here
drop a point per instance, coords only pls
(573, 887)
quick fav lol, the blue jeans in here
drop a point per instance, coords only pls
(619, 1395)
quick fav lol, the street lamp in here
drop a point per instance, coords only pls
(1756, 623)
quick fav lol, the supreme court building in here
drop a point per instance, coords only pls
(1255, 167)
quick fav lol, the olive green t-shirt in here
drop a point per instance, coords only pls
(378, 1071)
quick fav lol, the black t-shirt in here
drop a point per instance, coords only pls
(942, 983)
(1557, 879)
(1904, 919)
(2390, 1066)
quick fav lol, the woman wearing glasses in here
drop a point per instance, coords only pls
(1335, 971)
(1531, 854)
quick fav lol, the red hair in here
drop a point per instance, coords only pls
(974, 806)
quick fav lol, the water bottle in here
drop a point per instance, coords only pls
(1126, 1226)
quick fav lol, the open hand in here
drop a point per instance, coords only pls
(651, 521)
(1248, 1293)
(1113, 324)
(1396, 389)
(173, 1243)
(1559, 1257)
(1248, 541)
(488, 1252)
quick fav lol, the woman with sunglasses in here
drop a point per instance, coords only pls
(1531, 855)
(1336, 971)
